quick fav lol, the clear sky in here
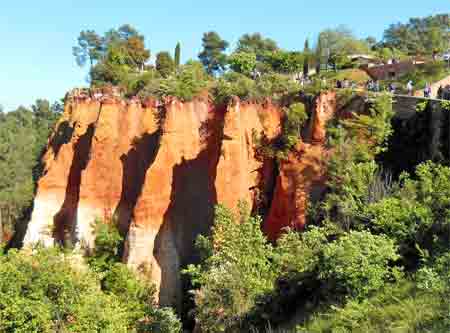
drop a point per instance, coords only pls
(37, 36)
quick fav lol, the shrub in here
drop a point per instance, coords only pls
(294, 118)
(243, 62)
(236, 270)
(49, 291)
(358, 263)
(395, 308)
(270, 85)
(107, 245)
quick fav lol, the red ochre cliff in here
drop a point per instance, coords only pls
(302, 176)
(159, 168)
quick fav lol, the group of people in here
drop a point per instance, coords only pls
(372, 85)
(426, 89)
(345, 84)
(444, 92)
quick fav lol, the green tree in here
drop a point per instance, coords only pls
(236, 269)
(334, 45)
(212, 55)
(177, 54)
(243, 62)
(47, 290)
(122, 54)
(90, 48)
(306, 52)
(419, 35)
(164, 64)
(23, 136)
(287, 62)
(257, 44)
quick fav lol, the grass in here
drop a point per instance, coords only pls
(352, 74)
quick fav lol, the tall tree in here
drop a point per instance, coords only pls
(419, 35)
(90, 48)
(177, 55)
(257, 44)
(333, 46)
(306, 60)
(123, 53)
(212, 56)
(164, 64)
(23, 136)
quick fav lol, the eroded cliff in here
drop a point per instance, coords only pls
(158, 168)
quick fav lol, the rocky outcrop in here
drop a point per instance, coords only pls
(156, 168)
(302, 176)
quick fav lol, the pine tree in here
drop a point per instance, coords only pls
(177, 54)
(306, 59)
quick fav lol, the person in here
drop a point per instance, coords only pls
(409, 87)
(377, 86)
(440, 92)
(338, 84)
(391, 88)
(427, 91)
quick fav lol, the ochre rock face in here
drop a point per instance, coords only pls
(302, 176)
(157, 168)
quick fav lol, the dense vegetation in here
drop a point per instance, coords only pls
(53, 290)
(23, 136)
(120, 57)
(374, 257)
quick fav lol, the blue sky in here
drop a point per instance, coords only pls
(37, 36)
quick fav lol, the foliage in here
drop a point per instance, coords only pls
(212, 55)
(400, 307)
(352, 168)
(165, 65)
(243, 62)
(419, 35)
(334, 45)
(295, 117)
(427, 73)
(107, 243)
(284, 61)
(47, 292)
(257, 44)
(373, 128)
(307, 56)
(358, 263)
(23, 136)
(235, 270)
(267, 86)
(189, 81)
(177, 55)
(90, 47)
(114, 56)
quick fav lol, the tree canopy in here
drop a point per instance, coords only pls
(212, 56)
(420, 35)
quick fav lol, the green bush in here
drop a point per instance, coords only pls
(49, 291)
(236, 270)
(295, 117)
(395, 308)
(188, 82)
(358, 263)
(107, 245)
(274, 86)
